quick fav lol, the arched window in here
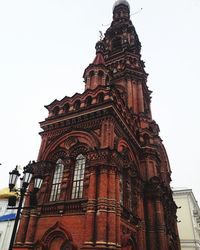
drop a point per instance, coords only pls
(57, 180)
(100, 77)
(116, 43)
(100, 98)
(66, 108)
(56, 110)
(107, 80)
(88, 101)
(77, 187)
(77, 105)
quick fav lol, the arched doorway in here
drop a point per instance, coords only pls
(58, 243)
(56, 238)
(66, 246)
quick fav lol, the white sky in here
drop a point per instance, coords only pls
(45, 45)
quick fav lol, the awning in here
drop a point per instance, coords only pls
(7, 217)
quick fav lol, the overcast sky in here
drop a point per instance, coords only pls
(45, 45)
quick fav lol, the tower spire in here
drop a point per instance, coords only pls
(96, 74)
(121, 10)
(123, 59)
(119, 2)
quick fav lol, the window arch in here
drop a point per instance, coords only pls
(77, 104)
(56, 110)
(77, 186)
(100, 97)
(117, 43)
(66, 108)
(88, 101)
(91, 74)
(57, 180)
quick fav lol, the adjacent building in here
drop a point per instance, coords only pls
(106, 172)
(7, 218)
(188, 218)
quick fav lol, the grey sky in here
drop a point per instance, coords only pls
(45, 45)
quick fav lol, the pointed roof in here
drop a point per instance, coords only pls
(99, 59)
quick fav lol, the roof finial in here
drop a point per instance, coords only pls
(118, 2)
(101, 35)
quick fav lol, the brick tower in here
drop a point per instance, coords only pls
(106, 172)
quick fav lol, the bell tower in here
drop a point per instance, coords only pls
(105, 169)
(123, 59)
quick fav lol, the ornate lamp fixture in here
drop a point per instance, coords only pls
(37, 183)
(25, 181)
(13, 176)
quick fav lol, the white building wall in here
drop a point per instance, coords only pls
(188, 219)
(6, 227)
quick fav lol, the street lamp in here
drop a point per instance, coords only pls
(37, 183)
(13, 178)
(25, 180)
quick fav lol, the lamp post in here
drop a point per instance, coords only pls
(25, 180)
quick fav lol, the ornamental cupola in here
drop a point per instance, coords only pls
(121, 10)
(122, 45)
(96, 73)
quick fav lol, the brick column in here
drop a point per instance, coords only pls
(22, 230)
(161, 225)
(118, 212)
(101, 225)
(130, 95)
(31, 228)
(151, 225)
(45, 190)
(112, 208)
(141, 225)
(89, 236)
(140, 98)
(66, 179)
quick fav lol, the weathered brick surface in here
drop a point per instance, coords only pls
(127, 201)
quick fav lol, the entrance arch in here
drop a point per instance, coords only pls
(57, 238)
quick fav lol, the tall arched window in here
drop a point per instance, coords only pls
(100, 98)
(77, 104)
(88, 101)
(57, 180)
(77, 187)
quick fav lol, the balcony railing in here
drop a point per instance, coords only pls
(68, 207)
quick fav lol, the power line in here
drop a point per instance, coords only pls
(135, 13)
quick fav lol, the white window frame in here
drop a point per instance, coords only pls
(78, 178)
(57, 181)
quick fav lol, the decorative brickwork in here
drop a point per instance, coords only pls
(124, 197)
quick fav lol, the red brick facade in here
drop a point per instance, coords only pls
(111, 189)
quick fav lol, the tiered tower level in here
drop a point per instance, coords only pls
(106, 172)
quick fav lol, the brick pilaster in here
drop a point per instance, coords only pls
(89, 236)
(102, 217)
